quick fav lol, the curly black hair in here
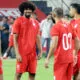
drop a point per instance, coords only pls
(26, 5)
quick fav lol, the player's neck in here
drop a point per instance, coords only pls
(58, 19)
(77, 16)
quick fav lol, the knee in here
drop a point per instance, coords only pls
(18, 75)
(31, 76)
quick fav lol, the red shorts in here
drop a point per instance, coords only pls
(28, 64)
(1, 70)
(63, 71)
(77, 66)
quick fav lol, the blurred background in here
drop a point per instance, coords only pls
(9, 12)
(9, 7)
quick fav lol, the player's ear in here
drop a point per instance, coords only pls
(54, 15)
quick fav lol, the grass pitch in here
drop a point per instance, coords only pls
(42, 73)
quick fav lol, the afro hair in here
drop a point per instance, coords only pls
(26, 5)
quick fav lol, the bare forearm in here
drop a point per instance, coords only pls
(38, 41)
(51, 51)
(53, 47)
(77, 45)
(15, 44)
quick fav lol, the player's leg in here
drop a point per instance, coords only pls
(1, 77)
(18, 73)
(48, 46)
(32, 66)
(70, 71)
(43, 41)
(20, 68)
(18, 76)
(31, 76)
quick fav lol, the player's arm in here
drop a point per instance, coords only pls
(76, 41)
(77, 48)
(38, 42)
(77, 45)
(52, 49)
(16, 31)
(15, 37)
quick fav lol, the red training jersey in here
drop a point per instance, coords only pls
(65, 33)
(76, 25)
(27, 30)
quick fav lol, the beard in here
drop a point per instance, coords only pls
(28, 16)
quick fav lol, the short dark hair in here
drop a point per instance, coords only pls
(58, 12)
(26, 5)
(76, 6)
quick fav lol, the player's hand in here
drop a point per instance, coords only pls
(74, 57)
(39, 56)
(19, 58)
(78, 77)
(46, 63)
(75, 60)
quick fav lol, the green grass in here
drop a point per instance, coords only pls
(42, 73)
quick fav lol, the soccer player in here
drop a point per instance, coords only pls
(26, 36)
(62, 34)
(75, 12)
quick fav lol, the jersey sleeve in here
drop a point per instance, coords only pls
(16, 27)
(74, 33)
(54, 31)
